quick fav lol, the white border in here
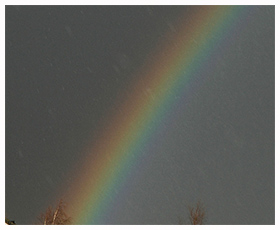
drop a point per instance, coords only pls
(138, 2)
(142, 2)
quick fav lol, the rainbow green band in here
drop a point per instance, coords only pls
(164, 77)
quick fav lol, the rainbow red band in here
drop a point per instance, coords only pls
(161, 79)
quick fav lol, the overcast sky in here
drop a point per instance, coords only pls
(66, 65)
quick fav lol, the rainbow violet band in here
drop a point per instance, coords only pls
(164, 77)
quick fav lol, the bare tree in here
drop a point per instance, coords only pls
(55, 216)
(197, 214)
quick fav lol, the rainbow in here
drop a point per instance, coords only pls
(164, 77)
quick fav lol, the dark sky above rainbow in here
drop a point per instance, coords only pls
(132, 113)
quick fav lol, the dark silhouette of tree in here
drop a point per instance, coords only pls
(9, 222)
(55, 216)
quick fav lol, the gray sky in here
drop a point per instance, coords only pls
(66, 65)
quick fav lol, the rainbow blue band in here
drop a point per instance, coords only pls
(153, 101)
